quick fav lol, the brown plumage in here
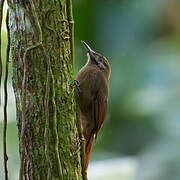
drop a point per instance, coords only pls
(92, 93)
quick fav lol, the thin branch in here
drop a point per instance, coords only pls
(1, 15)
(78, 123)
(6, 98)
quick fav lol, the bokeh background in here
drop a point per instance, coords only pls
(141, 40)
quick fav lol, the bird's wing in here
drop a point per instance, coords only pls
(100, 110)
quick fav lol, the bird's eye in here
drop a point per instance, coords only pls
(101, 59)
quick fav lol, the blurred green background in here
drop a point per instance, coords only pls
(141, 40)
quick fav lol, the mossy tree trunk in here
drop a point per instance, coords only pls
(41, 33)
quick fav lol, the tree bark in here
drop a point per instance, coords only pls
(41, 33)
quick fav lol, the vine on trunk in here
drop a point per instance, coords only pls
(38, 31)
(6, 98)
(1, 15)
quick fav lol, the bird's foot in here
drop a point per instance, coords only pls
(77, 84)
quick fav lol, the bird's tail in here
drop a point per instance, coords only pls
(89, 144)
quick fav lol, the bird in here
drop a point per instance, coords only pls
(91, 95)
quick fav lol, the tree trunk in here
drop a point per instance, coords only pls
(41, 33)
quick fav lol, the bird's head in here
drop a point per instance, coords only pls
(97, 59)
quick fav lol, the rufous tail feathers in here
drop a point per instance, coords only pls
(89, 144)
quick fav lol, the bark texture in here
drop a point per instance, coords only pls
(41, 34)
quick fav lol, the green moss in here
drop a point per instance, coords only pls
(54, 128)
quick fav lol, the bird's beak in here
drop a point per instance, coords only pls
(89, 50)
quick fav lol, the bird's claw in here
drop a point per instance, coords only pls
(77, 84)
